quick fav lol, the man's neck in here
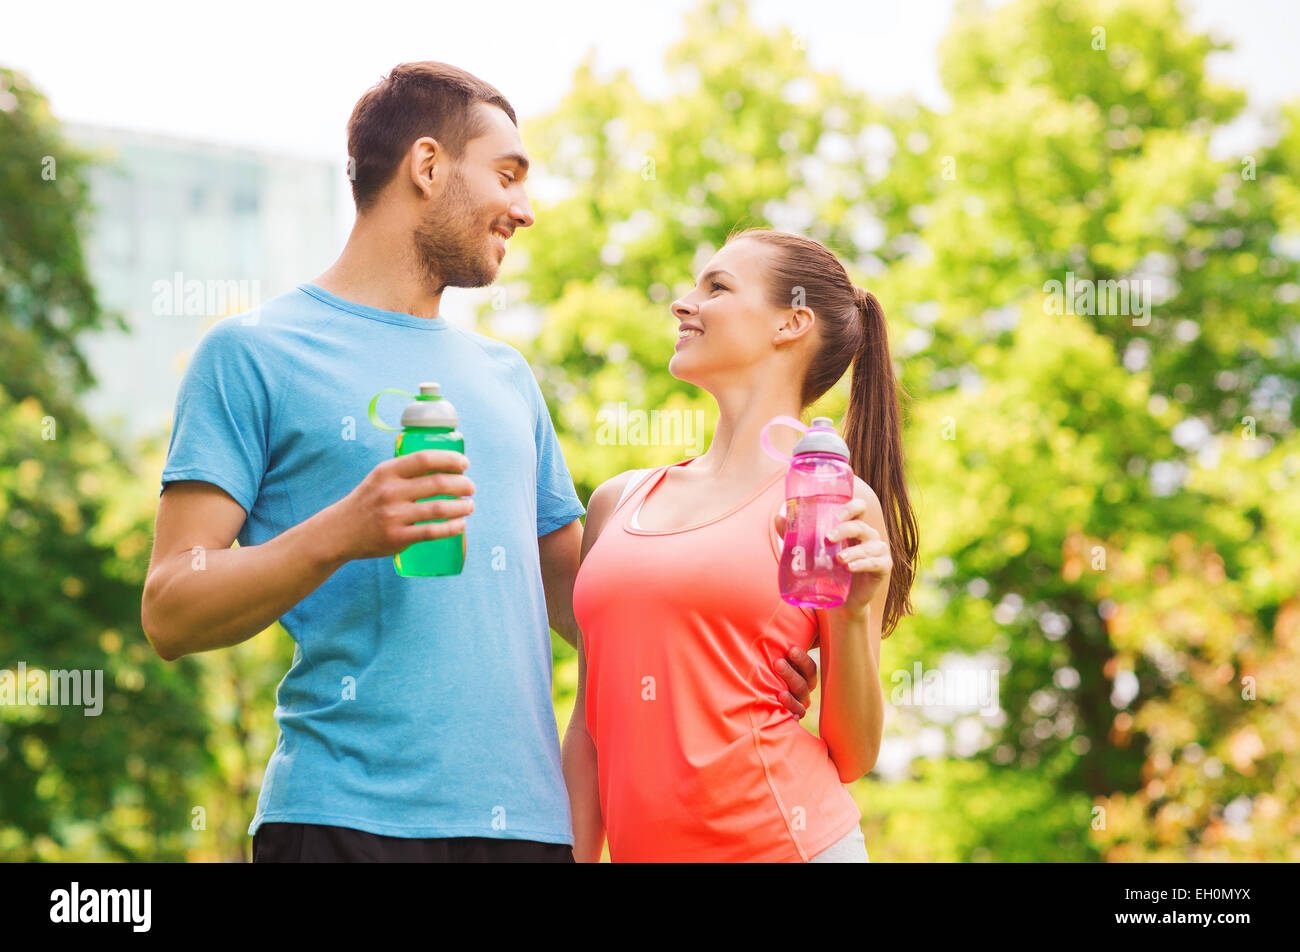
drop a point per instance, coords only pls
(378, 268)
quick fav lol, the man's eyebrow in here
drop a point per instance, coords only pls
(518, 158)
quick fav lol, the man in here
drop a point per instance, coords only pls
(416, 721)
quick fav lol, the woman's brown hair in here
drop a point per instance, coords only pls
(803, 272)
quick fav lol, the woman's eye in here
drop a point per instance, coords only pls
(717, 287)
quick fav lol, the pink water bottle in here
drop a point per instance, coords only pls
(817, 484)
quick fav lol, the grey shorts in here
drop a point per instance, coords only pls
(852, 848)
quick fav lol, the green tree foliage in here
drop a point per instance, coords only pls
(651, 189)
(74, 545)
(48, 297)
(1107, 494)
(1099, 470)
(1109, 499)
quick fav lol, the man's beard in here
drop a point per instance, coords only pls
(448, 246)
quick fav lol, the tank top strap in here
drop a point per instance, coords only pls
(635, 478)
(639, 486)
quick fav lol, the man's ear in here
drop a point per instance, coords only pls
(798, 322)
(426, 163)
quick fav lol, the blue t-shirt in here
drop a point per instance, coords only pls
(416, 707)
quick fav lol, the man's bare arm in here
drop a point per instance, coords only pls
(559, 556)
(201, 594)
(578, 751)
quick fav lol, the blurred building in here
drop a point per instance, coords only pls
(184, 233)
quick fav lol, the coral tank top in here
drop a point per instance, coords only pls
(697, 759)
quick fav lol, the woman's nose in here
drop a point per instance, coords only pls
(682, 310)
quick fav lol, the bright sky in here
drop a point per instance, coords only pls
(267, 75)
(283, 77)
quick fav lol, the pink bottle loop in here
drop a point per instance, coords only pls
(767, 445)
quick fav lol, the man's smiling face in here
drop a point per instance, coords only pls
(463, 238)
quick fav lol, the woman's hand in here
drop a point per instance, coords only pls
(865, 552)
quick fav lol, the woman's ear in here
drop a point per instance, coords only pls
(798, 322)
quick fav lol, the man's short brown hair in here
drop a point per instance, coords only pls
(414, 100)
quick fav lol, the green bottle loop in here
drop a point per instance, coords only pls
(374, 404)
(428, 422)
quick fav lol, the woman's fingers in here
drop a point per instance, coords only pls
(867, 550)
(853, 529)
(882, 564)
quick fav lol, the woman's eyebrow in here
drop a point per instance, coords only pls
(716, 272)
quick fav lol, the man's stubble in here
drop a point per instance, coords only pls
(448, 245)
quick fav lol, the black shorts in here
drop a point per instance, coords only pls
(315, 843)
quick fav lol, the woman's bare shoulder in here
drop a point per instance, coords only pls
(601, 505)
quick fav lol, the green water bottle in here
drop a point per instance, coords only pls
(428, 423)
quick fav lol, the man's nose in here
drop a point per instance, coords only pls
(521, 213)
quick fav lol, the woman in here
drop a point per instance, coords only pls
(678, 746)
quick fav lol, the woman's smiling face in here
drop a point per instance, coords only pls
(726, 324)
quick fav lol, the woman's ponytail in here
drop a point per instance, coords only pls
(873, 431)
(852, 332)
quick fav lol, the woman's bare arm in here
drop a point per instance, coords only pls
(852, 714)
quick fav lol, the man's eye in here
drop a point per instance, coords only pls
(508, 177)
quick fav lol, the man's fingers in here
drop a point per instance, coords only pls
(797, 709)
(806, 666)
(430, 461)
(438, 484)
(439, 509)
(436, 530)
(798, 684)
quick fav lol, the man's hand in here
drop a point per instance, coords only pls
(384, 514)
(800, 673)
